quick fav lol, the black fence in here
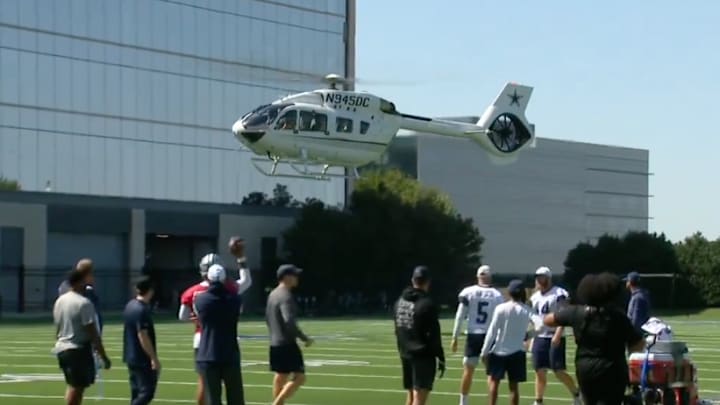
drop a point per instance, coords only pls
(27, 290)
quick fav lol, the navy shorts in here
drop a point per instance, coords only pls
(515, 365)
(286, 359)
(545, 356)
(474, 344)
(78, 366)
(418, 373)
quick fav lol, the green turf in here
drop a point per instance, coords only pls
(353, 362)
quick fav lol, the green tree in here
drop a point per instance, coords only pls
(635, 251)
(256, 198)
(9, 185)
(391, 224)
(700, 263)
(281, 197)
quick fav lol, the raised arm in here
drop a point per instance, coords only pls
(245, 277)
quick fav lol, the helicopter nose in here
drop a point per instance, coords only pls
(251, 136)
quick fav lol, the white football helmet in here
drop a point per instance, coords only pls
(207, 261)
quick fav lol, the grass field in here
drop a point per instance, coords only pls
(353, 362)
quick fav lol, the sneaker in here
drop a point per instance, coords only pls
(537, 403)
(577, 400)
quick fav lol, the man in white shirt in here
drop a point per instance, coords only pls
(548, 347)
(504, 348)
(476, 303)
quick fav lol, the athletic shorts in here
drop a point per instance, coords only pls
(546, 356)
(418, 373)
(474, 344)
(78, 366)
(286, 359)
(515, 365)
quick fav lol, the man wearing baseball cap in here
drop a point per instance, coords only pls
(639, 306)
(476, 303)
(286, 359)
(503, 351)
(548, 347)
(244, 281)
(417, 329)
(218, 355)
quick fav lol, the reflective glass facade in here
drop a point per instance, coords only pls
(137, 97)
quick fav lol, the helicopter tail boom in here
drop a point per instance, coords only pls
(502, 130)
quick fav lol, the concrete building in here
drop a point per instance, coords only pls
(137, 98)
(43, 234)
(533, 211)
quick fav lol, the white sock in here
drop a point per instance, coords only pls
(463, 399)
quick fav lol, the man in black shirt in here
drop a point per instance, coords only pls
(417, 328)
(602, 334)
(218, 356)
(140, 346)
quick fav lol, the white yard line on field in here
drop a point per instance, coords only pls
(59, 397)
(304, 388)
(311, 372)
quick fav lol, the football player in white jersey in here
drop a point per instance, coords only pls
(476, 303)
(548, 347)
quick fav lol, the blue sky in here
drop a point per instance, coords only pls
(629, 73)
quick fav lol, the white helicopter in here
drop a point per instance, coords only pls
(337, 128)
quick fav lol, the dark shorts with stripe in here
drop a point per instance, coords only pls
(546, 356)
(78, 366)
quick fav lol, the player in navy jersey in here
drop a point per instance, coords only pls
(476, 303)
(548, 347)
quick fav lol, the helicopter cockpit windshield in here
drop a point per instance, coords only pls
(263, 116)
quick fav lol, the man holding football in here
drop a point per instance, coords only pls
(236, 246)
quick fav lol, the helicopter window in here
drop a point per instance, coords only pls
(263, 116)
(364, 126)
(312, 121)
(387, 107)
(344, 125)
(287, 121)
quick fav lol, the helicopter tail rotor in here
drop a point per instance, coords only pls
(504, 121)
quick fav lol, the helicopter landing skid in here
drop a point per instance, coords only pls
(302, 169)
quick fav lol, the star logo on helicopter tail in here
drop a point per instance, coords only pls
(515, 98)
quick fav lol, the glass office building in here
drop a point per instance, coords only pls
(136, 98)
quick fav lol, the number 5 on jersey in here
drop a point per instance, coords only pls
(482, 315)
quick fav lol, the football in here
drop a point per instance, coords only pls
(237, 246)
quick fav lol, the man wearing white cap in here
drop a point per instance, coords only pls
(476, 303)
(548, 347)
(187, 299)
(218, 356)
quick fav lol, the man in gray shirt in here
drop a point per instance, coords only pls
(286, 358)
(77, 334)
